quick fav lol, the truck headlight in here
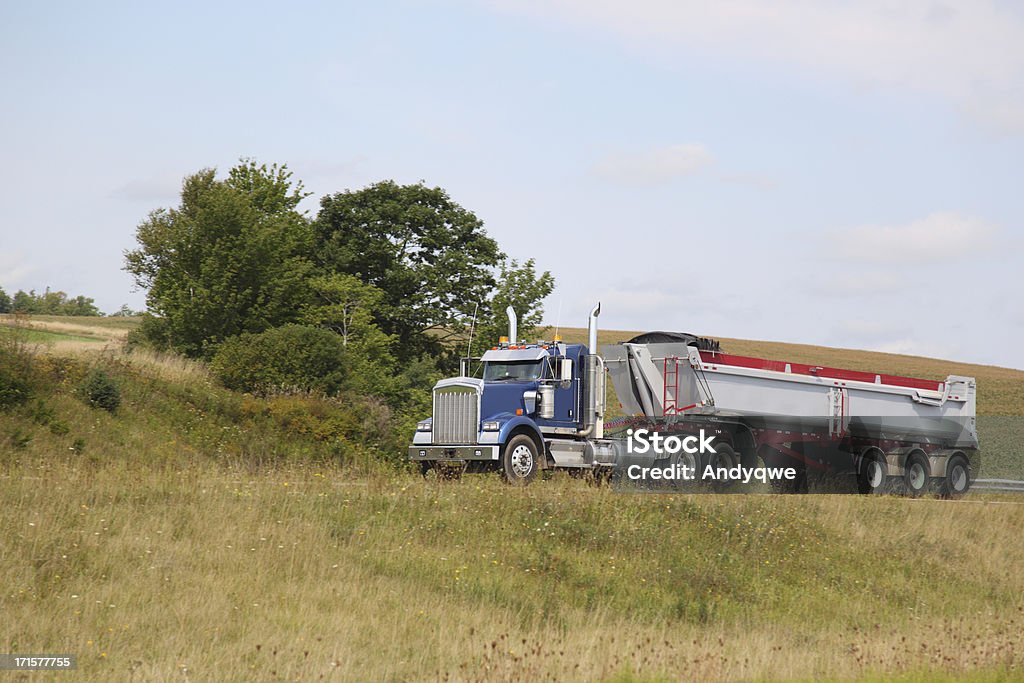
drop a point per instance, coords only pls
(424, 426)
(491, 426)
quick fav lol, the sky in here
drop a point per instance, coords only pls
(821, 172)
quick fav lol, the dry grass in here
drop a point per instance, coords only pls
(81, 326)
(208, 573)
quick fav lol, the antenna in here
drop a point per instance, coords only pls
(469, 347)
(558, 318)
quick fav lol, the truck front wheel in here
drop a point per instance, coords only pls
(520, 460)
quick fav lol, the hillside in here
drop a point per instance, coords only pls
(202, 534)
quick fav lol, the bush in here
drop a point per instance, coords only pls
(100, 390)
(18, 376)
(15, 388)
(287, 358)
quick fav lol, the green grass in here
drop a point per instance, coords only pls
(45, 337)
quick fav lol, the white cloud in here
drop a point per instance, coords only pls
(942, 236)
(968, 51)
(653, 166)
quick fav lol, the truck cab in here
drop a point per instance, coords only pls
(534, 406)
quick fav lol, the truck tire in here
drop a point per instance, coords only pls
(915, 475)
(724, 456)
(957, 479)
(689, 461)
(774, 458)
(872, 476)
(520, 460)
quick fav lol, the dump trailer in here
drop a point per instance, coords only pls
(542, 406)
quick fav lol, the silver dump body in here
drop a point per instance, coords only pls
(675, 380)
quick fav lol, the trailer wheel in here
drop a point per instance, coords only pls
(872, 477)
(689, 462)
(724, 456)
(958, 477)
(774, 458)
(519, 460)
(915, 475)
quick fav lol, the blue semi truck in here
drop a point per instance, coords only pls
(541, 406)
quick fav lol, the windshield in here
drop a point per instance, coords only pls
(521, 371)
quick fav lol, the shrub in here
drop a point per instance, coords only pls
(100, 390)
(15, 388)
(18, 377)
(287, 358)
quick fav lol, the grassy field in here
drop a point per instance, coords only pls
(197, 534)
(295, 573)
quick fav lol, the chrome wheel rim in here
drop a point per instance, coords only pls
(688, 461)
(917, 476)
(874, 474)
(522, 461)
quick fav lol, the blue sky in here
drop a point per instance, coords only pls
(820, 172)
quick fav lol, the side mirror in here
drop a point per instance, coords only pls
(565, 370)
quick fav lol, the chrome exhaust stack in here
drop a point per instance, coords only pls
(513, 326)
(592, 329)
(593, 374)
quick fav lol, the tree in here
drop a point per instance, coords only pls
(345, 305)
(230, 259)
(519, 286)
(52, 303)
(5, 302)
(25, 302)
(431, 259)
(125, 311)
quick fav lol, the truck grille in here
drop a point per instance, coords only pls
(455, 416)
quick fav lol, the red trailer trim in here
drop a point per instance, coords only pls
(713, 360)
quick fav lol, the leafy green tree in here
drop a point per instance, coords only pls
(52, 303)
(521, 287)
(431, 259)
(345, 305)
(6, 305)
(25, 302)
(232, 258)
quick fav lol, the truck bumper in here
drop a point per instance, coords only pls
(453, 453)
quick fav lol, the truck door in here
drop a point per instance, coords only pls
(566, 390)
